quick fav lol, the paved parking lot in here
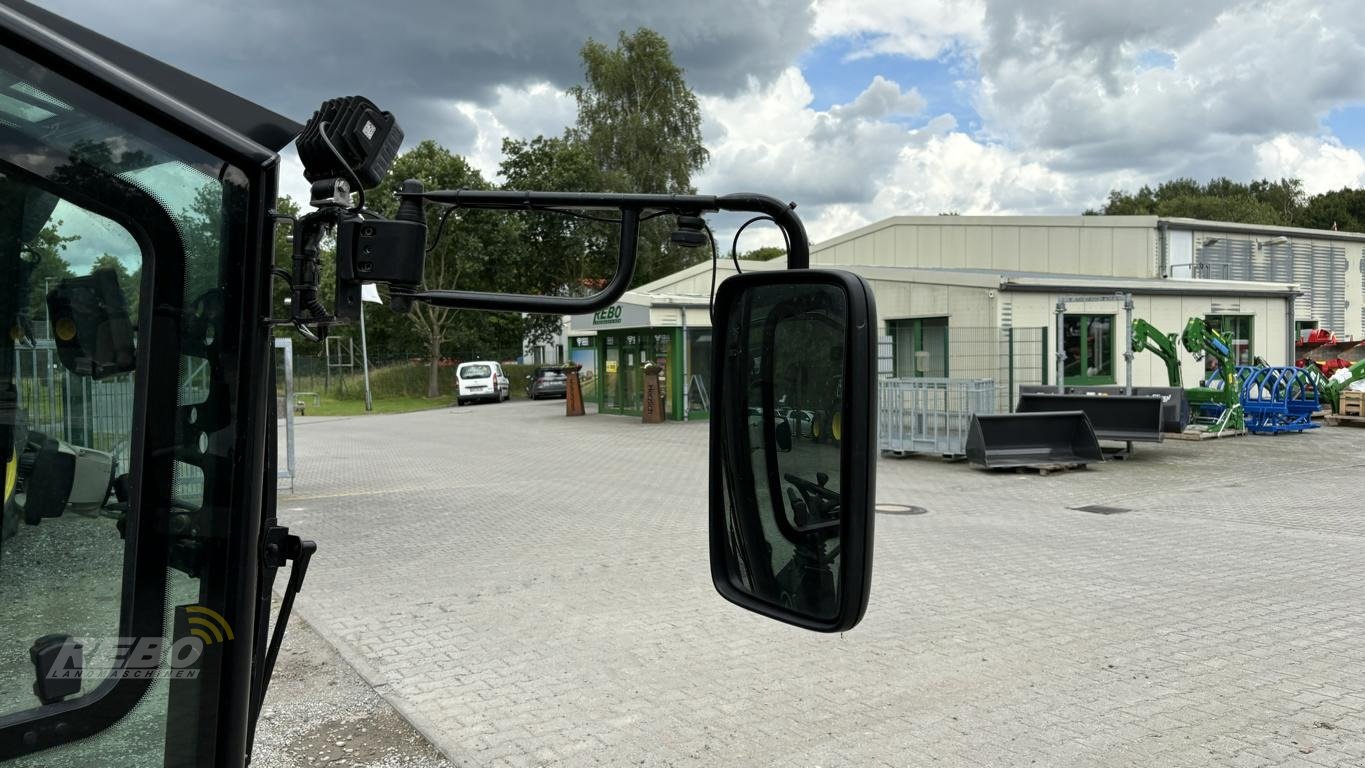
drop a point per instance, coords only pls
(534, 590)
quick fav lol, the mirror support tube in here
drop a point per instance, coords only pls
(520, 302)
(631, 207)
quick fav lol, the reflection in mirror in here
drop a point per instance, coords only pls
(802, 332)
(90, 324)
(786, 536)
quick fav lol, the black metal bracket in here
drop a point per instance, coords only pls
(281, 547)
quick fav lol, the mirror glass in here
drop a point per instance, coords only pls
(786, 357)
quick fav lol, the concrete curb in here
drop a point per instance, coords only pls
(372, 677)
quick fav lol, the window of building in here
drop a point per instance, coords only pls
(1088, 341)
(919, 347)
(1239, 330)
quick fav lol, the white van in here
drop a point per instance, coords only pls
(481, 380)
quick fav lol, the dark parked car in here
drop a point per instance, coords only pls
(546, 382)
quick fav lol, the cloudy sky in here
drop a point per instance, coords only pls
(856, 109)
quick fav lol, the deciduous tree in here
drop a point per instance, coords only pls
(476, 251)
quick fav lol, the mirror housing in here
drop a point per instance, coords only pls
(794, 349)
(91, 326)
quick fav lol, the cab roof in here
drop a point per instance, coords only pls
(263, 126)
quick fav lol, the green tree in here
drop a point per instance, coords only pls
(641, 125)
(1258, 202)
(127, 282)
(201, 232)
(766, 253)
(477, 251)
(49, 267)
(559, 255)
(1342, 209)
(638, 118)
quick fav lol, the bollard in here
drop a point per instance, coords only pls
(573, 391)
(654, 397)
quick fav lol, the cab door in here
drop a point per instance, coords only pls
(133, 397)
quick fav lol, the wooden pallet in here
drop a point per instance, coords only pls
(1200, 434)
(1046, 469)
(1352, 404)
(1345, 421)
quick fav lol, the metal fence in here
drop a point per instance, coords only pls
(94, 414)
(77, 409)
(340, 375)
(1011, 357)
(930, 415)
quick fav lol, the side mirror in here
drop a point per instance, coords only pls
(91, 326)
(791, 509)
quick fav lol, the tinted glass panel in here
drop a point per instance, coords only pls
(68, 435)
(104, 542)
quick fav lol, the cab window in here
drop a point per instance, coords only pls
(113, 427)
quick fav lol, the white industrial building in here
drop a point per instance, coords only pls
(976, 296)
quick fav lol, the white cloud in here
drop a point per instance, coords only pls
(954, 172)
(1322, 164)
(1075, 98)
(882, 98)
(292, 183)
(516, 113)
(769, 138)
(921, 29)
(853, 164)
(1075, 80)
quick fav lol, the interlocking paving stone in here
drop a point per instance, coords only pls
(534, 590)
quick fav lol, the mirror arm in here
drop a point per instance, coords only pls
(631, 207)
(519, 302)
(784, 215)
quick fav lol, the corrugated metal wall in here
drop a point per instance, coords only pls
(1319, 269)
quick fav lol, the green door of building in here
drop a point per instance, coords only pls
(623, 355)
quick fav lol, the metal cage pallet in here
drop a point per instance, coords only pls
(930, 415)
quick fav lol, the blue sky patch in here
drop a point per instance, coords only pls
(836, 79)
(1348, 125)
(1153, 58)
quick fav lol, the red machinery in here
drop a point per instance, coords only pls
(1330, 353)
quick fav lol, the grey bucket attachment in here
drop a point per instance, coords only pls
(1007, 440)
(1114, 417)
(1175, 407)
